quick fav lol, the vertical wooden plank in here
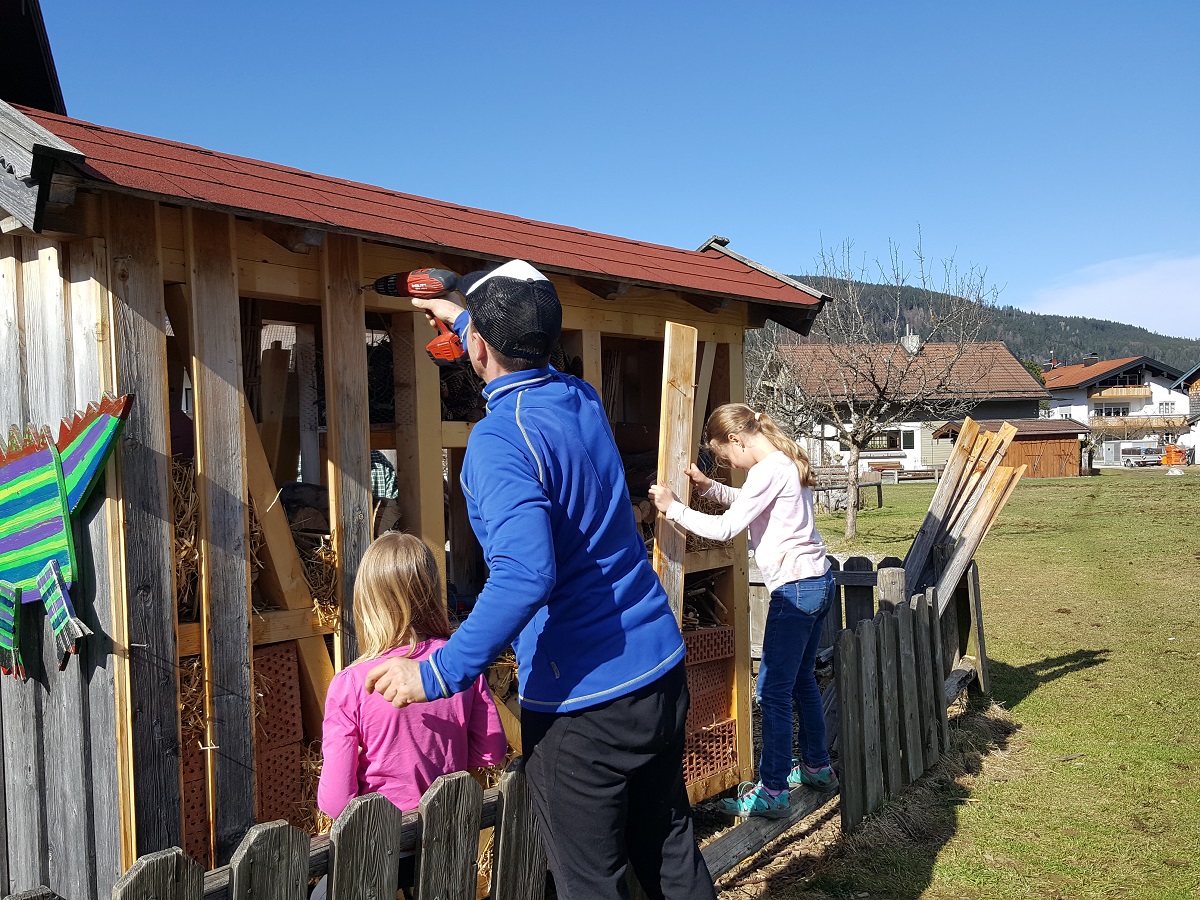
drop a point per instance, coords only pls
(364, 863)
(223, 523)
(450, 810)
(519, 867)
(911, 744)
(593, 371)
(463, 569)
(937, 686)
(979, 649)
(851, 774)
(708, 358)
(891, 587)
(274, 369)
(953, 635)
(306, 387)
(11, 413)
(735, 389)
(860, 599)
(889, 700)
(346, 419)
(164, 875)
(928, 703)
(270, 864)
(144, 509)
(674, 454)
(867, 650)
(27, 856)
(418, 434)
(109, 763)
(833, 621)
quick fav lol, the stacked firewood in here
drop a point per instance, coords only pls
(968, 500)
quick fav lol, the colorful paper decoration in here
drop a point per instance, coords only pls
(42, 484)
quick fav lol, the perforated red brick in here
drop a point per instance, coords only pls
(279, 774)
(708, 708)
(706, 644)
(277, 686)
(191, 759)
(709, 676)
(195, 822)
(710, 750)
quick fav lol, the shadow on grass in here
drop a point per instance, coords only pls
(894, 851)
(1012, 684)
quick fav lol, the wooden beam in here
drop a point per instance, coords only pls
(147, 546)
(292, 238)
(273, 400)
(704, 301)
(346, 417)
(223, 524)
(674, 454)
(271, 626)
(599, 287)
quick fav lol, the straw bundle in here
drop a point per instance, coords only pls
(319, 557)
(187, 544)
(312, 819)
(192, 722)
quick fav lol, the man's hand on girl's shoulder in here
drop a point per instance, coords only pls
(398, 681)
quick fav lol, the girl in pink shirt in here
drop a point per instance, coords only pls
(368, 744)
(776, 505)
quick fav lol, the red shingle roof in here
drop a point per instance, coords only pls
(984, 370)
(192, 174)
(1079, 374)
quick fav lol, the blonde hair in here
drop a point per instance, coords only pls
(738, 418)
(397, 596)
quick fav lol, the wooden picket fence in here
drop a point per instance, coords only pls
(362, 853)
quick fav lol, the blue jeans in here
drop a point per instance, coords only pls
(795, 620)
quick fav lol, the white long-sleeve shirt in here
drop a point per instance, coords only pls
(779, 513)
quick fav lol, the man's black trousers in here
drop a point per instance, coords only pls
(607, 784)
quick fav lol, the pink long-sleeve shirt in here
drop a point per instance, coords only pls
(371, 746)
(779, 513)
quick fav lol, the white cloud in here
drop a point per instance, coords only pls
(1155, 292)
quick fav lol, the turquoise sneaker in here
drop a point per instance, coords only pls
(753, 800)
(823, 779)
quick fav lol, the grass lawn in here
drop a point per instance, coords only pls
(1086, 783)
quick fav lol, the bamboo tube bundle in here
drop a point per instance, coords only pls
(968, 500)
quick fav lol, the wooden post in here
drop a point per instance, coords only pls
(223, 524)
(978, 648)
(703, 385)
(674, 454)
(888, 633)
(15, 703)
(833, 620)
(740, 578)
(868, 673)
(891, 587)
(145, 515)
(846, 675)
(109, 742)
(464, 566)
(940, 672)
(346, 420)
(418, 434)
(519, 867)
(270, 864)
(860, 599)
(447, 866)
(593, 372)
(164, 875)
(306, 387)
(912, 745)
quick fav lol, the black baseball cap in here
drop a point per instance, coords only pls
(515, 308)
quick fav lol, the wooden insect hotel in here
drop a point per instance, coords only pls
(217, 558)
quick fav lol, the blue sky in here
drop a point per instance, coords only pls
(1057, 144)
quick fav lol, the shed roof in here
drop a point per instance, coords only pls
(1083, 375)
(983, 369)
(175, 171)
(1026, 428)
(1187, 379)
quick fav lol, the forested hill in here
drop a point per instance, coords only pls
(1038, 336)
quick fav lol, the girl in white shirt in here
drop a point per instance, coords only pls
(776, 505)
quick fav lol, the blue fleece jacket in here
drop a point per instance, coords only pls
(569, 583)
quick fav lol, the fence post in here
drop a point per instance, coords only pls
(364, 863)
(860, 599)
(271, 863)
(929, 726)
(868, 674)
(833, 620)
(977, 644)
(845, 673)
(41, 892)
(939, 669)
(165, 875)
(519, 863)
(910, 699)
(887, 635)
(891, 586)
(450, 812)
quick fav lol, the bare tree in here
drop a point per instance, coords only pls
(863, 371)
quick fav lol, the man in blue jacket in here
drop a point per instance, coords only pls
(603, 690)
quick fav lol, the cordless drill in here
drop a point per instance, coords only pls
(445, 349)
